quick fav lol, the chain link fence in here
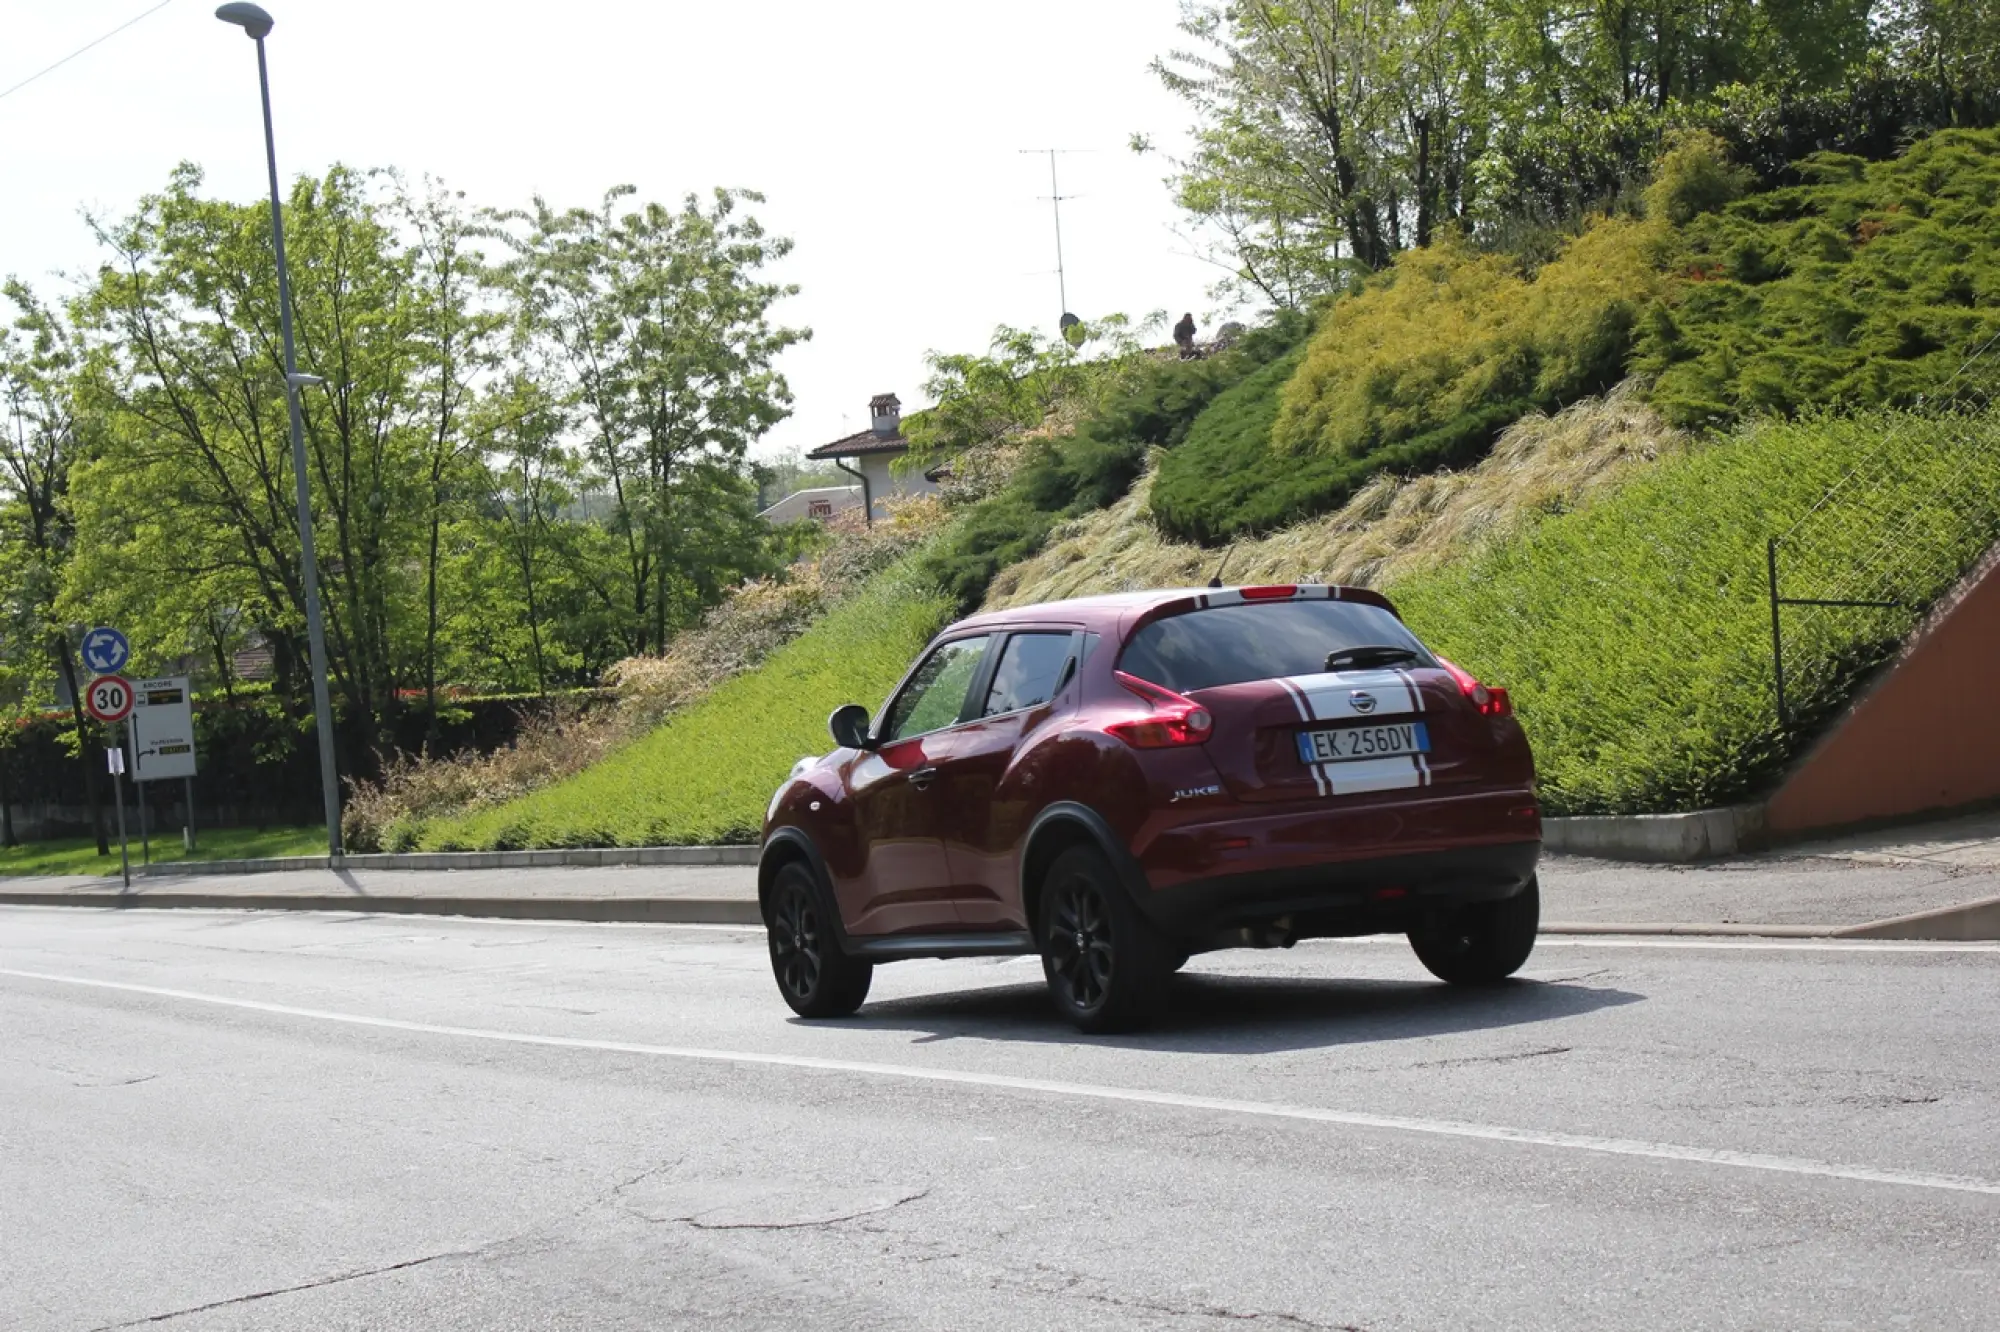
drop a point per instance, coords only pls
(1853, 576)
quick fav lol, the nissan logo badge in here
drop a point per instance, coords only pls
(1362, 701)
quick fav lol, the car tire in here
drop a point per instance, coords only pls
(1481, 944)
(814, 975)
(1108, 969)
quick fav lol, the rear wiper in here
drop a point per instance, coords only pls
(1372, 654)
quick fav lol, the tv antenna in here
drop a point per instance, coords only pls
(1055, 198)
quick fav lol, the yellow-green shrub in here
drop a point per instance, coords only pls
(1449, 330)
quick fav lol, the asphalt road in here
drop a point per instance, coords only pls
(231, 1121)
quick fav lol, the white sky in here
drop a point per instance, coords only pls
(885, 133)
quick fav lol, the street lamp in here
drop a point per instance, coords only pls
(255, 22)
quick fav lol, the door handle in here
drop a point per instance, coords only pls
(923, 777)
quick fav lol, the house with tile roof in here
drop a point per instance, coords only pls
(870, 456)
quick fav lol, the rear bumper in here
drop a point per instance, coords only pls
(1387, 895)
(1315, 872)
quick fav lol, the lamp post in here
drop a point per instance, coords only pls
(255, 22)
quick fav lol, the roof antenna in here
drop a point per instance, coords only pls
(1217, 580)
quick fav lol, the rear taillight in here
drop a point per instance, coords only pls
(1491, 700)
(1173, 720)
(1270, 592)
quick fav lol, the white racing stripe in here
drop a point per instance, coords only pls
(1305, 714)
(1328, 696)
(1446, 1128)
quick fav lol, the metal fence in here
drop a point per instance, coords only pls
(1853, 576)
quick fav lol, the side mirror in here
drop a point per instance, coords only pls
(849, 725)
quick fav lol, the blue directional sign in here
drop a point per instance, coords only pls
(105, 651)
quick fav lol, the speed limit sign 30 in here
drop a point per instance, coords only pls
(109, 698)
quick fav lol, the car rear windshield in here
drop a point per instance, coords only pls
(1262, 640)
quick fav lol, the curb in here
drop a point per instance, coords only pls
(463, 860)
(1969, 921)
(1729, 929)
(1656, 838)
(1972, 922)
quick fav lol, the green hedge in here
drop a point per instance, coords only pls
(1635, 633)
(1154, 407)
(1225, 482)
(1865, 286)
(707, 774)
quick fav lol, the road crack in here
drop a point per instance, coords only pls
(1515, 1056)
(867, 1207)
(255, 1296)
(363, 1273)
(1073, 1282)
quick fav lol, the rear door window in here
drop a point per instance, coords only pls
(934, 698)
(1029, 673)
(1267, 640)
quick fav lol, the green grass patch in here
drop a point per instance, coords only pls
(78, 855)
(1635, 632)
(706, 775)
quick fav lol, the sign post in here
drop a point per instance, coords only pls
(114, 758)
(109, 699)
(145, 833)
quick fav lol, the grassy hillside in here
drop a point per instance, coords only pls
(1634, 632)
(555, 743)
(1420, 370)
(707, 773)
(1152, 404)
(1393, 526)
(1865, 285)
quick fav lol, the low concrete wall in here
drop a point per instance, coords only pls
(1926, 737)
(1671, 838)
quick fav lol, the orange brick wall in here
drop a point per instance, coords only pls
(1926, 738)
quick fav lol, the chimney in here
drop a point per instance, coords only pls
(885, 414)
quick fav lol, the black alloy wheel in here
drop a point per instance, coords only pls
(1481, 944)
(1107, 967)
(1080, 951)
(817, 979)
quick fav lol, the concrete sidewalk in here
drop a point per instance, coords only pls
(1827, 889)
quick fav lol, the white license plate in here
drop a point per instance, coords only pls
(1363, 742)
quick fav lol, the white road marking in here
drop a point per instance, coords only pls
(1445, 1128)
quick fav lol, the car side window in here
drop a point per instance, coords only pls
(1030, 670)
(935, 695)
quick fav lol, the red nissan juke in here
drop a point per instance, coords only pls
(1119, 782)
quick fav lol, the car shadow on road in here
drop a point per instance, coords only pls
(1256, 1014)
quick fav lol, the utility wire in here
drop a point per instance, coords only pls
(81, 49)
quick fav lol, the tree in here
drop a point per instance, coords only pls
(43, 441)
(1330, 134)
(985, 403)
(535, 483)
(654, 325)
(194, 488)
(1290, 155)
(455, 339)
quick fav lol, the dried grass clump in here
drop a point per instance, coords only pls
(1391, 527)
(557, 741)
